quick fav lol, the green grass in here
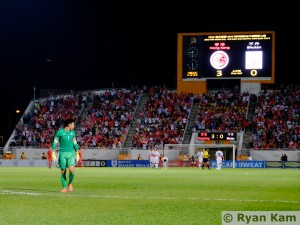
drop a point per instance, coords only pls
(142, 195)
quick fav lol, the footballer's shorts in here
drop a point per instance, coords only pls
(66, 159)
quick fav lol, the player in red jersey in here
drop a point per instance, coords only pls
(49, 158)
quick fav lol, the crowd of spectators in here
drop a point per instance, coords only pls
(110, 113)
(222, 111)
(163, 119)
(276, 123)
(39, 125)
(108, 119)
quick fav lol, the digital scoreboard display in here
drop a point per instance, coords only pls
(217, 136)
(245, 56)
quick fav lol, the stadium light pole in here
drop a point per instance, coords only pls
(34, 93)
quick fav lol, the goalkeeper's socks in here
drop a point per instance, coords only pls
(63, 180)
(71, 177)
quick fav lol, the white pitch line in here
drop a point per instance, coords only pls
(136, 197)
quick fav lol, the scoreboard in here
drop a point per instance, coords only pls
(217, 136)
(233, 55)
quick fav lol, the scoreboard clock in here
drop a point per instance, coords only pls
(217, 136)
(239, 55)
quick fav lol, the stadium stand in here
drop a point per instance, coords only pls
(139, 118)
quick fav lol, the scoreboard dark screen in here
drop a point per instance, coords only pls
(245, 56)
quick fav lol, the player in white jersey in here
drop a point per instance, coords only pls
(165, 162)
(155, 155)
(150, 155)
(200, 158)
(219, 158)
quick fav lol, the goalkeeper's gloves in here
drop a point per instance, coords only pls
(53, 156)
(77, 157)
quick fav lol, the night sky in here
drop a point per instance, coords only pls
(85, 45)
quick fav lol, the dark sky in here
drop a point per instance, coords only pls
(57, 44)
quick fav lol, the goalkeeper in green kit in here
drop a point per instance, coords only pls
(66, 138)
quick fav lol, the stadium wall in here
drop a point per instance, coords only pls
(274, 155)
(113, 154)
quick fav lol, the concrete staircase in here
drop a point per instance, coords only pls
(140, 107)
(192, 118)
(248, 132)
(84, 112)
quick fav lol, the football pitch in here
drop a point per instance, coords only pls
(135, 196)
